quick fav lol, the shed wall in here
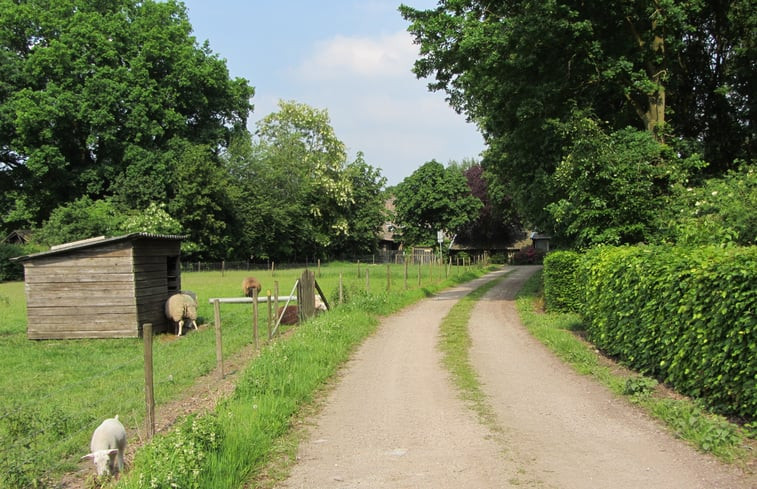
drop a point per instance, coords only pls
(157, 276)
(87, 293)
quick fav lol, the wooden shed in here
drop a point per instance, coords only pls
(101, 287)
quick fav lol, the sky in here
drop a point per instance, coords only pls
(351, 57)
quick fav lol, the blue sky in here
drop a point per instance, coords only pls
(350, 57)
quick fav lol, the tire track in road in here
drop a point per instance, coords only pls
(568, 431)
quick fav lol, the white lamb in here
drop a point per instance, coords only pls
(107, 447)
(180, 307)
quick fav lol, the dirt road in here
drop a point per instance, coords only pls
(394, 419)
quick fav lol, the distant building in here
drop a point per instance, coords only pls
(18, 237)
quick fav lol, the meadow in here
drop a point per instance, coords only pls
(55, 392)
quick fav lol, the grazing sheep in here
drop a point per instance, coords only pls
(107, 447)
(249, 284)
(179, 307)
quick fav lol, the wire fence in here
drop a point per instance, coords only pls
(45, 432)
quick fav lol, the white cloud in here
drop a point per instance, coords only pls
(387, 56)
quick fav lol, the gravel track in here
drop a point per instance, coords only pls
(394, 419)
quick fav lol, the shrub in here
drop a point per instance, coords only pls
(683, 315)
(10, 270)
(562, 292)
(528, 256)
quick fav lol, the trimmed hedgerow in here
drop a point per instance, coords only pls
(562, 291)
(683, 315)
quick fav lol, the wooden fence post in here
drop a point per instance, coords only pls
(388, 277)
(270, 316)
(149, 385)
(219, 346)
(406, 262)
(341, 290)
(255, 317)
(306, 295)
(419, 273)
(368, 280)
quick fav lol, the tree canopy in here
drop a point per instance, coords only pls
(98, 99)
(525, 71)
(432, 199)
(296, 193)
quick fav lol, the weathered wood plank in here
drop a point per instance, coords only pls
(82, 311)
(81, 298)
(88, 262)
(79, 276)
(84, 326)
(109, 288)
(75, 334)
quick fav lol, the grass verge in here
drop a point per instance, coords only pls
(685, 417)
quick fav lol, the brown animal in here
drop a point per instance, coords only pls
(249, 284)
(291, 314)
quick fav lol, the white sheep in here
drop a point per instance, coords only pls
(107, 447)
(181, 307)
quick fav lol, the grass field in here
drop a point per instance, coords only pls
(53, 393)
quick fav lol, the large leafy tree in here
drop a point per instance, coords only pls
(497, 221)
(299, 140)
(294, 192)
(97, 98)
(433, 198)
(521, 70)
(365, 213)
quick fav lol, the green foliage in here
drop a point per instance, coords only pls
(364, 214)
(201, 202)
(434, 199)
(562, 290)
(176, 458)
(711, 433)
(645, 65)
(682, 315)
(294, 193)
(714, 434)
(639, 386)
(154, 219)
(614, 185)
(719, 212)
(81, 219)
(94, 97)
(10, 270)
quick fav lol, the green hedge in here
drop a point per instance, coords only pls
(683, 315)
(561, 287)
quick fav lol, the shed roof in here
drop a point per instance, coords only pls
(98, 241)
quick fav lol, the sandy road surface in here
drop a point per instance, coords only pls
(394, 420)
